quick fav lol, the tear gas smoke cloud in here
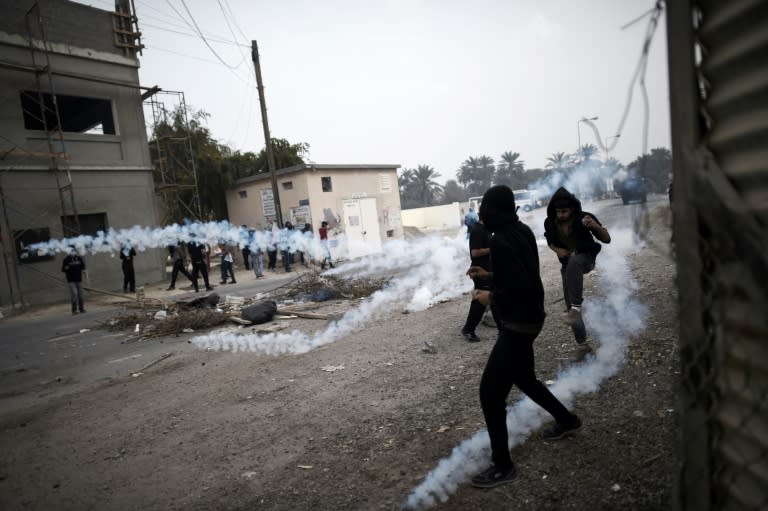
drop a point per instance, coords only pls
(430, 270)
(613, 319)
(583, 179)
(211, 233)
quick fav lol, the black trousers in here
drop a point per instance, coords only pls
(272, 259)
(475, 315)
(512, 363)
(476, 309)
(129, 279)
(200, 268)
(178, 267)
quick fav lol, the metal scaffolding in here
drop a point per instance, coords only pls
(173, 156)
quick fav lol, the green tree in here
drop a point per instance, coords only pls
(476, 174)
(655, 167)
(559, 161)
(429, 189)
(509, 171)
(418, 187)
(408, 193)
(453, 192)
(586, 152)
(193, 171)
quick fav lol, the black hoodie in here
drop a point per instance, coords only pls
(582, 237)
(518, 294)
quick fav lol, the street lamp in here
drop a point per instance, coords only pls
(578, 127)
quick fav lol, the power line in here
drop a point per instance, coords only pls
(234, 21)
(195, 35)
(200, 33)
(226, 20)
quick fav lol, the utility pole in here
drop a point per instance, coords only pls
(267, 138)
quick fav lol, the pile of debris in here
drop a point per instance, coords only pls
(168, 322)
(175, 318)
(315, 287)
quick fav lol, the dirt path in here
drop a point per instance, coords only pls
(212, 430)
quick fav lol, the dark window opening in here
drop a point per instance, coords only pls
(391, 233)
(288, 185)
(27, 237)
(242, 194)
(89, 224)
(326, 183)
(78, 114)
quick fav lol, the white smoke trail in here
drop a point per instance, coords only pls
(210, 233)
(613, 319)
(432, 270)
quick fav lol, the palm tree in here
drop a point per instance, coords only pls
(408, 196)
(424, 182)
(472, 174)
(587, 151)
(510, 170)
(559, 160)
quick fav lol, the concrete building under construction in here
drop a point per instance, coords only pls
(74, 157)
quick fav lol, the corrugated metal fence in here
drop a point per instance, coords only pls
(718, 62)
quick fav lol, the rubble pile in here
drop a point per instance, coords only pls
(176, 321)
(314, 287)
(309, 290)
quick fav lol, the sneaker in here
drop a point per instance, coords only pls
(170, 288)
(470, 336)
(494, 477)
(82, 311)
(572, 316)
(209, 288)
(559, 431)
(233, 282)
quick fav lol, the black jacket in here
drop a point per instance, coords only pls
(518, 294)
(582, 236)
(73, 266)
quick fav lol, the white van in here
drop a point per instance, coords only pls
(524, 199)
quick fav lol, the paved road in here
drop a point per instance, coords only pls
(48, 351)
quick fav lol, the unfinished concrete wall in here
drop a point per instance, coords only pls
(66, 23)
(109, 165)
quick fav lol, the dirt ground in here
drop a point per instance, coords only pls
(239, 431)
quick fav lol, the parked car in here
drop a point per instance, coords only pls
(633, 189)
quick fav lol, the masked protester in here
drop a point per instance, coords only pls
(516, 298)
(571, 234)
(73, 267)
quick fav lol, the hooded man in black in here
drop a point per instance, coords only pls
(569, 232)
(517, 302)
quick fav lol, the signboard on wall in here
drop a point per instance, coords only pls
(267, 202)
(300, 216)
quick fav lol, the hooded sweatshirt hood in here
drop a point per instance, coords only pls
(498, 207)
(562, 199)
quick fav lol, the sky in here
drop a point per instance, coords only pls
(412, 82)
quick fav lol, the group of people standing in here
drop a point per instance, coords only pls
(506, 275)
(253, 255)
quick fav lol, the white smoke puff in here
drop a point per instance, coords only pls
(433, 269)
(613, 320)
(421, 300)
